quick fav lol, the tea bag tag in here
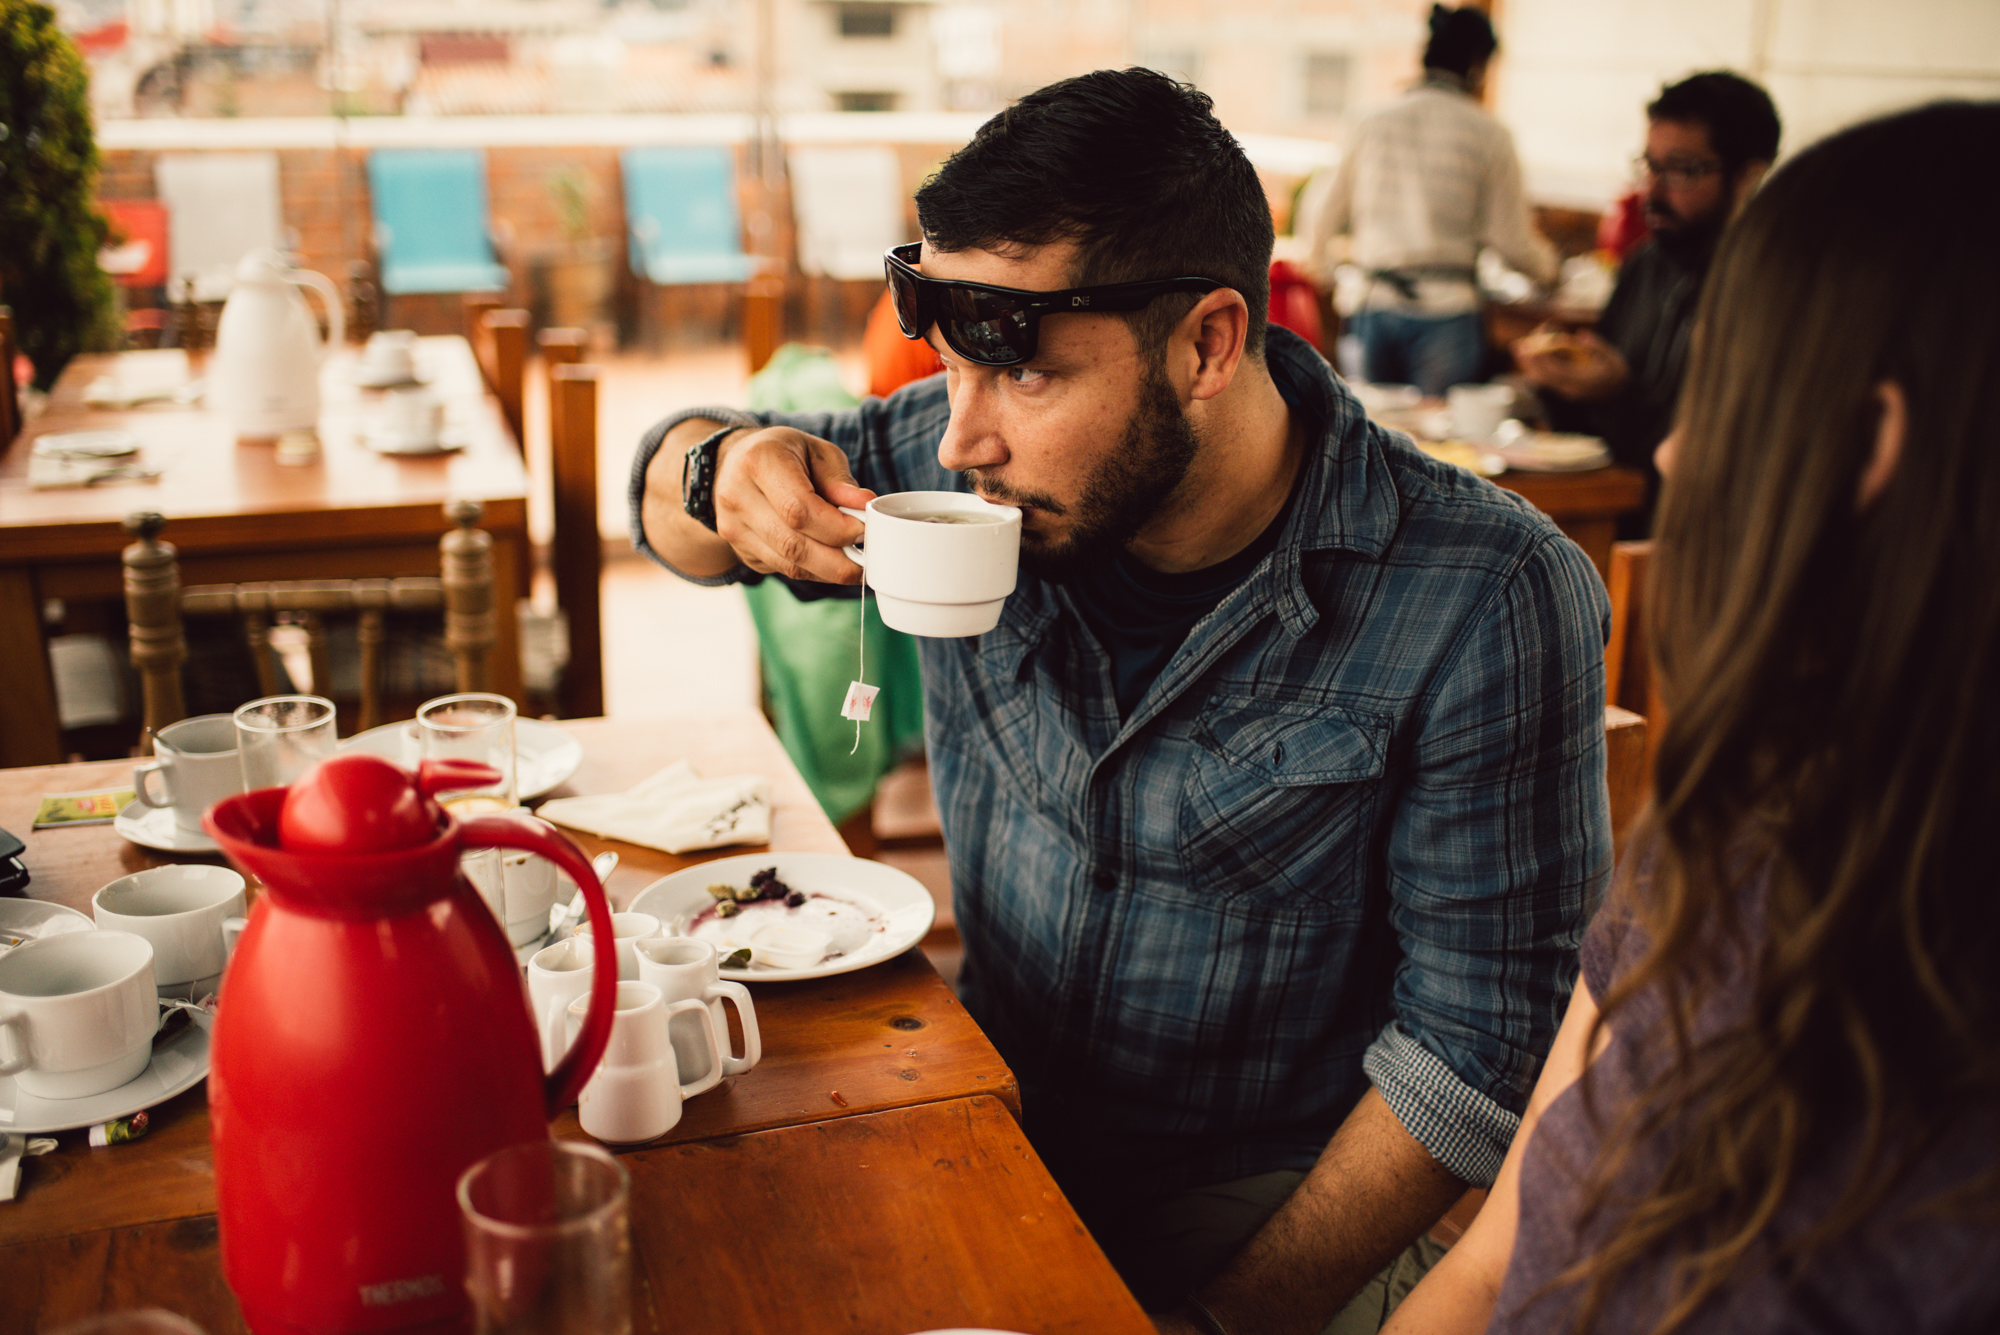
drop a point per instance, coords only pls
(860, 700)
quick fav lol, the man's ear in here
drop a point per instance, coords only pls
(1745, 185)
(1212, 336)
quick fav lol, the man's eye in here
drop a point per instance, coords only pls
(1023, 375)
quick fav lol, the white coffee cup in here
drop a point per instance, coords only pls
(191, 913)
(390, 357)
(637, 1091)
(627, 931)
(77, 1013)
(1477, 411)
(413, 416)
(527, 889)
(193, 768)
(682, 967)
(558, 975)
(940, 563)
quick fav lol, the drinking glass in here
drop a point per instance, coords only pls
(548, 1241)
(280, 736)
(480, 727)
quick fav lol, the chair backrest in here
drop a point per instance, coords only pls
(157, 607)
(10, 394)
(848, 203)
(1628, 666)
(576, 551)
(682, 221)
(220, 207)
(500, 345)
(431, 222)
(143, 254)
(1625, 774)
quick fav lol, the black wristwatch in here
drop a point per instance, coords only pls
(698, 477)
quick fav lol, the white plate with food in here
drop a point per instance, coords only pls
(1553, 452)
(858, 912)
(180, 1061)
(86, 445)
(27, 919)
(544, 755)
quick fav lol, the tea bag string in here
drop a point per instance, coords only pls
(861, 671)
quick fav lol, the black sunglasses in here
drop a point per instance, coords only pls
(996, 326)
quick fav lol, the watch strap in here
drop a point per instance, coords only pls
(698, 477)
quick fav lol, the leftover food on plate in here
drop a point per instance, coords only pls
(767, 923)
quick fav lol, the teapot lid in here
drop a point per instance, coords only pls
(360, 803)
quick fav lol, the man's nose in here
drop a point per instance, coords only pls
(972, 437)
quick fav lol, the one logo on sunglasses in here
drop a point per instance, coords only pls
(1079, 301)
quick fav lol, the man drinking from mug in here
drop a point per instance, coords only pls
(1275, 800)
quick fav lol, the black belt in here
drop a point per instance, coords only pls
(1405, 280)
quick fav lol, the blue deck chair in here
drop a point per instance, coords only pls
(680, 212)
(430, 221)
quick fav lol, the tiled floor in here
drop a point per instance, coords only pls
(671, 647)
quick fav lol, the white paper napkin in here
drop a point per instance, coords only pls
(676, 810)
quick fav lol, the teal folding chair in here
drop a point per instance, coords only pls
(430, 221)
(680, 211)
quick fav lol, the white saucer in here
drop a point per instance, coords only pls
(544, 755)
(33, 918)
(444, 443)
(154, 827)
(87, 445)
(387, 379)
(178, 1064)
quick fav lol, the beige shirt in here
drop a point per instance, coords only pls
(1426, 183)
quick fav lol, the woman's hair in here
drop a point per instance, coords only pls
(1829, 775)
(1460, 39)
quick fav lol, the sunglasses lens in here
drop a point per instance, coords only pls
(986, 328)
(905, 296)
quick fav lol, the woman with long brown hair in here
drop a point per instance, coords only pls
(1786, 1114)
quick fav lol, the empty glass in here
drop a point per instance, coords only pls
(279, 737)
(480, 727)
(548, 1241)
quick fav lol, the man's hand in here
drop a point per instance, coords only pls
(777, 493)
(1579, 366)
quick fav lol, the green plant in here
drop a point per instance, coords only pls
(50, 230)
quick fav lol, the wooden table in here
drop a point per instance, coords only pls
(1584, 505)
(236, 514)
(910, 1202)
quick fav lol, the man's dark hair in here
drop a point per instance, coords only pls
(1742, 124)
(1131, 166)
(1460, 39)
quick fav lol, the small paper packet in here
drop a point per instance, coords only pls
(81, 808)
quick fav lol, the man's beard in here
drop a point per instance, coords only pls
(1690, 240)
(1122, 494)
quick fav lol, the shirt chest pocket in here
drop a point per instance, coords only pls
(1280, 802)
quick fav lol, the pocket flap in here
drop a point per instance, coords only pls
(1294, 744)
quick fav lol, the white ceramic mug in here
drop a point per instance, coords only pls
(77, 1013)
(191, 913)
(195, 766)
(682, 967)
(557, 975)
(413, 416)
(1477, 411)
(637, 1091)
(528, 889)
(940, 563)
(627, 930)
(390, 356)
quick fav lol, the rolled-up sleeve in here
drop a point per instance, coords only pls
(1501, 850)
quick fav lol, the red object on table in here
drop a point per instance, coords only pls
(142, 222)
(1295, 303)
(1623, 225)
(373, 1045)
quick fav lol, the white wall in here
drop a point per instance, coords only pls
(1575, 75)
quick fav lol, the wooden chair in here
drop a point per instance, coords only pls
(576, 552)
(157, 608)
(1628, 666)
(499, 341)
(10, 399)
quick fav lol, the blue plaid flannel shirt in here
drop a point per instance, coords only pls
(1352, 833)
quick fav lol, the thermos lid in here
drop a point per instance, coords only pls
(360, 803)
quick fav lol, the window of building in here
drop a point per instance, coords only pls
(865, 101)
(1328, 77)
(859, 20)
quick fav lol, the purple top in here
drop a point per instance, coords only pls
(1905, 1271)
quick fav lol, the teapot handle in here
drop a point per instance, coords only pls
(336, 314)
(562, 1085)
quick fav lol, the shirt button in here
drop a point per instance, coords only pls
(1104, 880)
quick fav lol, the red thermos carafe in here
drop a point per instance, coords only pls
(372, 1042)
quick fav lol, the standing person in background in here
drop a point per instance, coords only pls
(1709, 140)
(1426, 183)
(1786, 1116)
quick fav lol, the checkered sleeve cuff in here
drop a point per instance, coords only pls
(1463, 1129)
(649, 445)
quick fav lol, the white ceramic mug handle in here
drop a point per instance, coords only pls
(143, 774)
(232, 928)
(753, 1046)
(14, 1025)
(556, 1031)
(855, 553)
(713, 1076)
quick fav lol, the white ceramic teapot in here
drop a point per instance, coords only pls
(265, 371)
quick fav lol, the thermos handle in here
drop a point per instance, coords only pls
(336, 313)
(565, 1083)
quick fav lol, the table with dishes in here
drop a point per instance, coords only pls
(867, 1173)
(131, 432)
